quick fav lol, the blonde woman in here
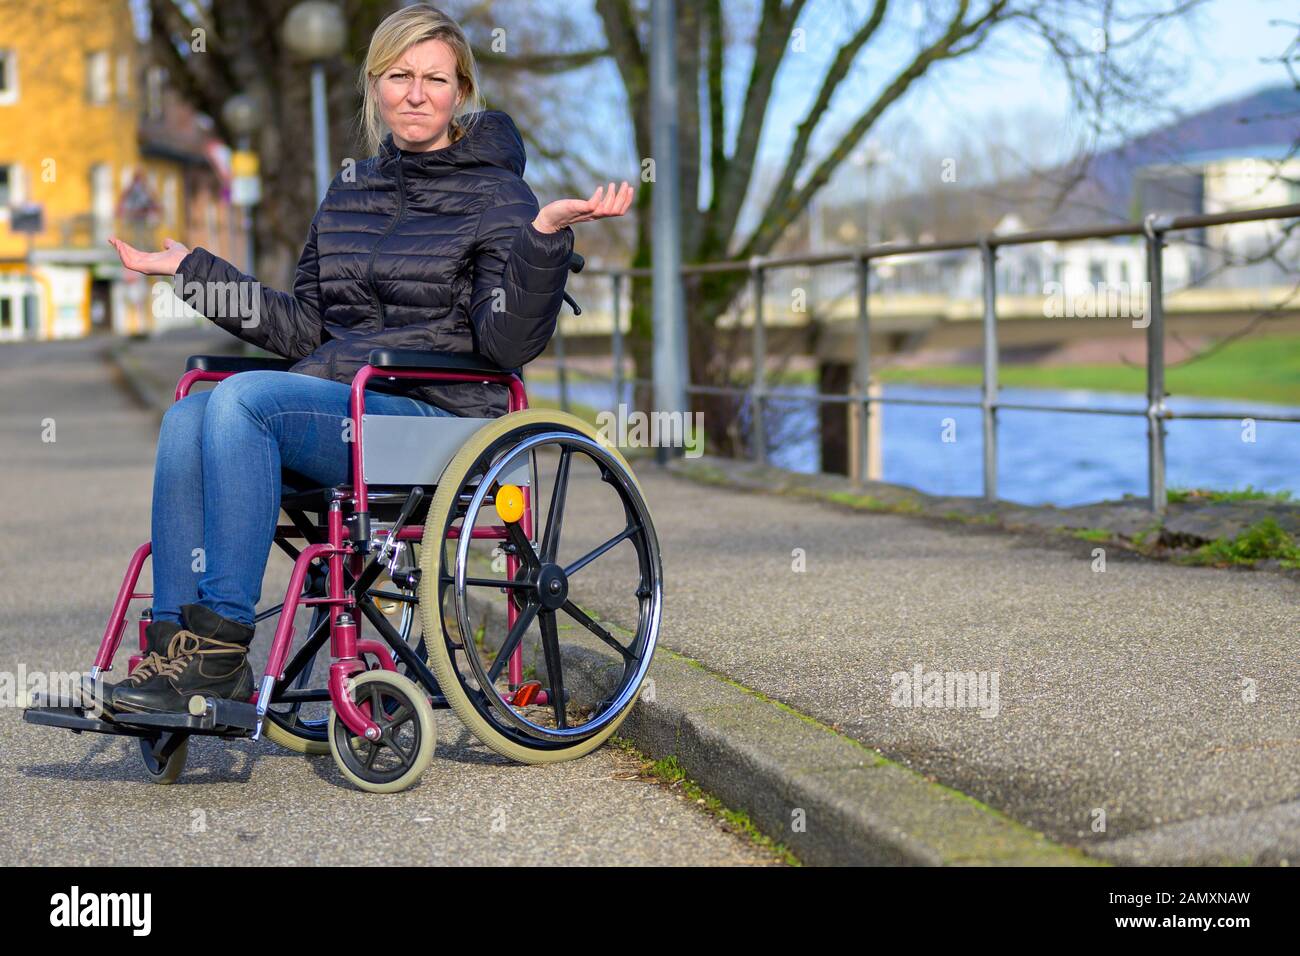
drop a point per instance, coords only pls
(435, 244)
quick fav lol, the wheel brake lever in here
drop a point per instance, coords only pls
(408, 508)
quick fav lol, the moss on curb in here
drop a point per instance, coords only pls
(1265, 540)
(669, 773)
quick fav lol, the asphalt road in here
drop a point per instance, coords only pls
(75, 509)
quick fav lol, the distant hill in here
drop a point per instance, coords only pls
(1265, 123)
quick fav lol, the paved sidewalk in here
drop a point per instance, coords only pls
(1144, 713)
(78, 507)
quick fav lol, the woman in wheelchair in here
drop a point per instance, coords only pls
(434, 243)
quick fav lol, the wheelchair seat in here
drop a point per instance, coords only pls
(397, 453)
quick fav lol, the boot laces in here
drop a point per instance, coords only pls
(185, 645)
(147, 667)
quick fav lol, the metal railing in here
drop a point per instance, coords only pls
(1153, 229)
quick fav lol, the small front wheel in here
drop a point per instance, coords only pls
(164, 756)
(405, 748)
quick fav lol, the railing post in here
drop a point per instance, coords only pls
(1154, 227)
(757, 389)
(862, 385)
(989, 398)
(618, 338)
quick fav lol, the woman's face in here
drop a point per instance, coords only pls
(418, 95)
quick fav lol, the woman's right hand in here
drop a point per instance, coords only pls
(163, 263)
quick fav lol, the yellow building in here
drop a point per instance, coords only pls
(83, 135)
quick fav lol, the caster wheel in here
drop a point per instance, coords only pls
(405, 749)
(304, 727)
(164, 757)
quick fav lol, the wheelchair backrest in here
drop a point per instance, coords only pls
(410, 450)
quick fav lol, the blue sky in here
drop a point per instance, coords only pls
(1213, 56)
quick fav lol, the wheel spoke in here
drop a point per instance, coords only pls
(493, 583)
(591, 556)
(551, 648)
(402, 755)
(585, 620)
(512, 640)
(523, 547)
(555, 515)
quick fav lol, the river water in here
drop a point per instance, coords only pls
(1058, 457)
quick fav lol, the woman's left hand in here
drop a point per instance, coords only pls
(565, 212)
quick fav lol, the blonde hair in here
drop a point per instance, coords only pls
(394, 36)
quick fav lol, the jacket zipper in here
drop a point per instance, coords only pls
(370, 267)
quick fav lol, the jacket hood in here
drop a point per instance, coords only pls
(491, 139)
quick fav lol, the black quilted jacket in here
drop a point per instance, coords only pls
(431, 251)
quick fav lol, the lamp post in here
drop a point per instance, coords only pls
(671, 365)
(869, 157)
(242, 115)
(314, 30)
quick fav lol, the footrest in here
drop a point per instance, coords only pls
(75, 719)
(57, 701)
(206, 716)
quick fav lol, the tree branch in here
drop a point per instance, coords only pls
(785, 204)
(839, 69)
(540, 62)
(774, 31)
(620, 30)
(717, 119)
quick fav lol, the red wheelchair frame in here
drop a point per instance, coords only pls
(343, 538)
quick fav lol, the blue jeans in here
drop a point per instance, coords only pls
(218, 481)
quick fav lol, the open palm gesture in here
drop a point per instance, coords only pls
(163, 263)
(602, 205)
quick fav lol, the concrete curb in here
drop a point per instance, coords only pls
(136, 383)
(830, 800)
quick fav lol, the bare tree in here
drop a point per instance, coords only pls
(1089, 38)
(1108, 51)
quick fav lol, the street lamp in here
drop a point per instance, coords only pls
(242, 115)
(314, 30)
(869, 157)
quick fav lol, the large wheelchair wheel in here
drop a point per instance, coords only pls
(582, 674)
(303, 727)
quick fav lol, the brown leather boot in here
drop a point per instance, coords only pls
(157, 636)
(209, 656)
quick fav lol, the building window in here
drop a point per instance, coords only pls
(124, 79)
(8, 77)
(101, 199)
(98, 83)
(170, 209)
(7, 178)
(1096, 272)
(154, 79)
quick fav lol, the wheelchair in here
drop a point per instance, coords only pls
(473, 604)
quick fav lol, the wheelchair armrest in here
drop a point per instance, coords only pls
(436, 361)
(236, 363)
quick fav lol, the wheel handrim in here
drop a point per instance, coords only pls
(650, 593)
